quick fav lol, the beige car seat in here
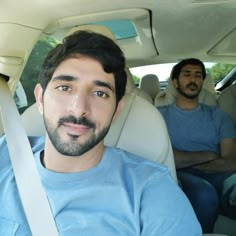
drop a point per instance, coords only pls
(150, 84)
(131, 88)
(140, 129)
(227, 101)
(128, 132)
(131, 129)
(206, 96)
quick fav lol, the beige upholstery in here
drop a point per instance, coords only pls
(209, 85)
(131, 131)
(227, 101)
(150, 84)
(206, 96)
(95, 28)
(139, 128)
(1, 127)
(131, 88)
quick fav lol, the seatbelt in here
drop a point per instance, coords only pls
(32, 194)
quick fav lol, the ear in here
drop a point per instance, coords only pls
(38, 93)
(118, 109)
(175, 83)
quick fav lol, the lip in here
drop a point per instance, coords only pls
(75, 129)
(192, 87)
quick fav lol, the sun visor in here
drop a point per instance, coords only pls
(226, 46)
(131, 45)
(10, 65)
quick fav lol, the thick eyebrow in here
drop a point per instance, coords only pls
(104, 84)
(73, 78)
(189, 71)
(65, 78)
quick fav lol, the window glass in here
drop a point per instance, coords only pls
(24, 95)
(122, 29)
(218, 71)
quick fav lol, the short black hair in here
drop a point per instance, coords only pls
(189, 61)
(93, 45)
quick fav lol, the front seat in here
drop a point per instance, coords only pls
(139, 129)
(227, 101)
(150, 84)
(138, 120)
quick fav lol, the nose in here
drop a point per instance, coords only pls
(79, 105)
(193, 77)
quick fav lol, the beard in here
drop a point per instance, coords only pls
(189, 95)
(72, 147)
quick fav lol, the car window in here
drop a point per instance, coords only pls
(122, 29)
(24, 94)
(218, 72)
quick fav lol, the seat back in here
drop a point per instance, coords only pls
(139, 129)
(227, 101)
(150, 84)
(207, 94)
(131, 88)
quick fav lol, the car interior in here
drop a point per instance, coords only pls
(149, 32)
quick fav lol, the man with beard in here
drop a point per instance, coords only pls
(92, 189)
(204, 144)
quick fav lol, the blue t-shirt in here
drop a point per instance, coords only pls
(123, 195)
(200, 129)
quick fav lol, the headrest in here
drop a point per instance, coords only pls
(131, 131)
(94, 28)
(208, 84)
(108, 33)
(139, 128)
(150, 84)
(206, 96)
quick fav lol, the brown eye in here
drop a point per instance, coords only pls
(63, 88)
(101, 94)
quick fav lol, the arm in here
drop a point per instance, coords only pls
(165, 210)
(227, 160)
(186, 159)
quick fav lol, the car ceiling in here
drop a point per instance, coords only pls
(168, 30)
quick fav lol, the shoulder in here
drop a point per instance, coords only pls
(216, 112)
(163, 109)
(36, 143)
(212, 108)
(136, 166)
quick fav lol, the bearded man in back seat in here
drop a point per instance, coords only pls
(204, 144)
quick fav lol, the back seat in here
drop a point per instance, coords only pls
(206, 96)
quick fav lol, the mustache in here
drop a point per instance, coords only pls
(77, 121)
(190, 84)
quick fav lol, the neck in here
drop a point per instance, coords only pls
(55, 161)
(186, 103)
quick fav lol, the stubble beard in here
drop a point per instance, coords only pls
(187, 95)
(72, 147)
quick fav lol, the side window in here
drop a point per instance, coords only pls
(24, 94)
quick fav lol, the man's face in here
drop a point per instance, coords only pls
(78, 105)
(190, 81)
